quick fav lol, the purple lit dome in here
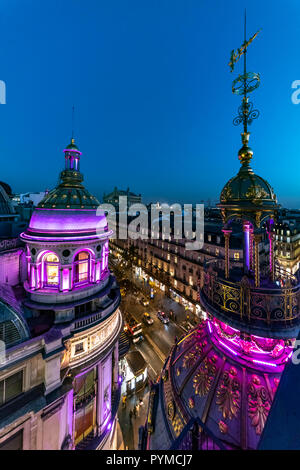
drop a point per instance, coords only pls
(69, 208)
(213, 375)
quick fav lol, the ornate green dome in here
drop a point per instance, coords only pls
(247, 189)
(68, 197)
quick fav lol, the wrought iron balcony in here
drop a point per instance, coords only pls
(269, 310)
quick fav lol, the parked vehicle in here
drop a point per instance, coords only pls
(163, 317)
(147, 319)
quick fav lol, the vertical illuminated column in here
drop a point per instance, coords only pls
(251, 248)
(32, 277)
(70, 278)
(257, 238)
(246, 229)
(271, 255)
(227, 236)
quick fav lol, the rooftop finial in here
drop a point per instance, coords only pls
(243, 85)
(72, 138)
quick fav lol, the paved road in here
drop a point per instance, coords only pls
(158, 338)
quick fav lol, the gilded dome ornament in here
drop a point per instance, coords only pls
(256, 192)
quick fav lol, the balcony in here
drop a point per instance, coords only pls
(268, 310)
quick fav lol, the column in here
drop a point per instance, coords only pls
(257, 238)
(246, 229)
(227, 236)
(116, 366)
(251, 249)
(70, 278)
(271, 255)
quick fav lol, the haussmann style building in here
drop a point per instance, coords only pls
(59, 326)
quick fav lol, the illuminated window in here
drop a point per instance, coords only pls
(82, 264)
(236, 256)
(51, 269)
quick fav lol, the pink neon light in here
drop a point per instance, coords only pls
(209, 326)
(227, 347)
(289, 356)
(58, 239)
(264, 363)
(65, 222)
(72, 151)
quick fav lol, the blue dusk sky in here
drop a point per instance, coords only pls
(152, 92)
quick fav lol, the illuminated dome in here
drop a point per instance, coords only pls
(222, 382)
(69, 208)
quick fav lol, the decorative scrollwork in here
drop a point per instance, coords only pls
(246, 113)
(245, 83)
(204, 377)
(228, 394)
(259, 404)
(191, 357)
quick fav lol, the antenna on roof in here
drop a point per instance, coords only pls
(73, 112)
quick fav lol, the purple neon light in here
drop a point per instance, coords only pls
(227, 347)
(209, 326)
(109, 426)
(72, 151)
(58, 239)
(63, 221)
(247, 247)
(289, 356)
(264, 363)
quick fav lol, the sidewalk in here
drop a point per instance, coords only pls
(130, 427)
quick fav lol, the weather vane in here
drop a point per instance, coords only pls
(244, 84)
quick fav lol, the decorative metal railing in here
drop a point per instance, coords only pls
(263, 305)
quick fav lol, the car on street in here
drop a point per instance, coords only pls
(147, 318)
(133, 329)
(163, 317)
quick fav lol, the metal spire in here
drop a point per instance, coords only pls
(73, 112)
(243, 85)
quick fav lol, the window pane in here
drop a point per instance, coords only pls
(83, 271)
(52, 274)
(52, 257)
(13, 385)
(82, 255)
(15, 442)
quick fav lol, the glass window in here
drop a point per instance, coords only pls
(11, 387)
(14, 442)
(82, 264)
(51, 269)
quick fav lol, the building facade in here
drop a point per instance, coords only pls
(59, 327)
(218, 384)
(113, 197)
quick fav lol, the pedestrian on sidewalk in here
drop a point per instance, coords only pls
(130, 414)
(134, 411)
(141, 402)
(137, 409)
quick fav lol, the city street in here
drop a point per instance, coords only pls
(158, 337)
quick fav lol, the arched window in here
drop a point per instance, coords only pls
(51, 269)
(82, 267)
